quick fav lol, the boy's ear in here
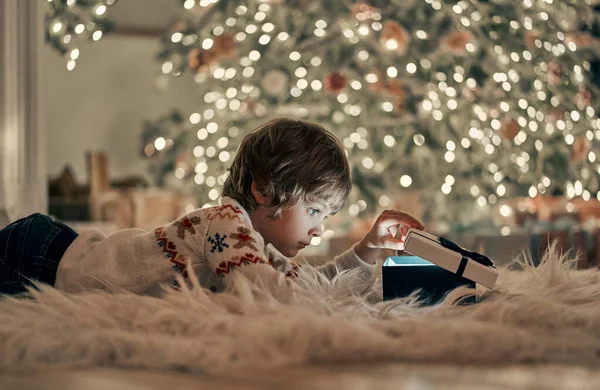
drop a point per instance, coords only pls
(258, 196)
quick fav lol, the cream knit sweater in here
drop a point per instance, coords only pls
(216, 242)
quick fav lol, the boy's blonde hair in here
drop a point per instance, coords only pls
(290, 160)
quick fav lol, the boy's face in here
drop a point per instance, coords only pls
(295, 228)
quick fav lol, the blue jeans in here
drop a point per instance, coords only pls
(30, 249)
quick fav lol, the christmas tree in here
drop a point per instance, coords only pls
(467, 102)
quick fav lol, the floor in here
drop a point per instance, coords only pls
(356, 377)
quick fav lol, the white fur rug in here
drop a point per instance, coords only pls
(546, 314)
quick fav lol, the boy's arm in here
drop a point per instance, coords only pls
(380, 242)
(347, 261)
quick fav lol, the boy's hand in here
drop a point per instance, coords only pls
(388, 232)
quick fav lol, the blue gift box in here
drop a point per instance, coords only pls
(403, 275)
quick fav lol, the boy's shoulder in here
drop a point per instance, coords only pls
(229, 210)
(225, 211)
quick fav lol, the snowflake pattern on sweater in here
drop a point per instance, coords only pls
(218, 242)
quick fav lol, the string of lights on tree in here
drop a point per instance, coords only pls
(471, 100)
(69, 23)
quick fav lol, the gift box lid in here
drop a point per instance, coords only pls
(448, 255)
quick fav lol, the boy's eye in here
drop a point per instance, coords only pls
(312, 211)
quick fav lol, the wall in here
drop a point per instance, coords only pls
(22, 134)
(102, 103)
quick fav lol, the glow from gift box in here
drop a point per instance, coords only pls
(406, 261)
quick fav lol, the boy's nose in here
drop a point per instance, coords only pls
(316, 231)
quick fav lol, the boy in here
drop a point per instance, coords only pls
(286, 178)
